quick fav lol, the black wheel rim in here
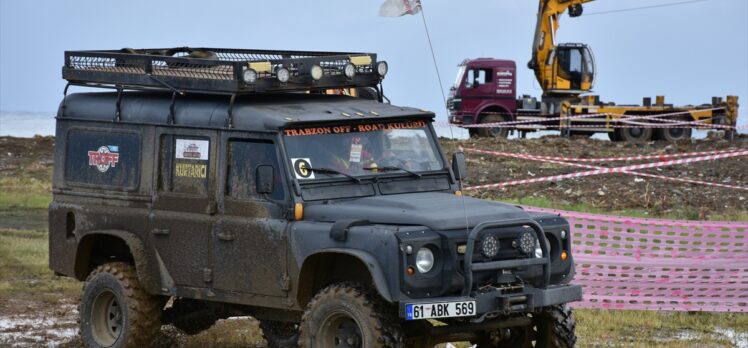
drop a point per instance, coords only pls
(339, 331)
(106, 319)
(636, 132)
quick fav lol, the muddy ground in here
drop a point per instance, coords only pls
(44, 311)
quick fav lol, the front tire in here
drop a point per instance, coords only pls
(501, 132)
(674, 134)
(554, 327)
(115, 311)
(349, 315)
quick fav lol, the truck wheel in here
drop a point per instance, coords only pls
(493, 132)
(674, 134)
(555, 328)
(349, 315)
(635, 135)
(115, 311)
(279, 334)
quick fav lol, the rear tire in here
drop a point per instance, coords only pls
(349, 315)
(115, 311)
(635, 135)
(674, 134)
(502, 132)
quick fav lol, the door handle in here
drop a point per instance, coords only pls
(160, 232)
(225, 236)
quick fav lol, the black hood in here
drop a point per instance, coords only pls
(438, 211)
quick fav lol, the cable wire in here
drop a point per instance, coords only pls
(645, 7)
(444, 100)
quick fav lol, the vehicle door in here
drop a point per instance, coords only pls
(184, 203)
(480, 87)
(249, 235)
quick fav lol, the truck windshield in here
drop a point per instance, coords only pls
(460, 73)
(358, 149)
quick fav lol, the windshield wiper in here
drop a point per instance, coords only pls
(392, 168)
(333, 171)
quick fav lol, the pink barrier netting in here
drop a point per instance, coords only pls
(658, 264)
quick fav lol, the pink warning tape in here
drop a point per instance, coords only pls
(610, 170)
(578, 165)
(659, 264)
(662, 156)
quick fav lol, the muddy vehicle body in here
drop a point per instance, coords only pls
(335, 220)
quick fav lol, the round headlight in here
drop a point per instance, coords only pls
(538, 250)
(424, 260)
(350, 70)
(489, 246)
(382, 68)
(526, 242)
(249, 76)
(316, 72)
(283, 75)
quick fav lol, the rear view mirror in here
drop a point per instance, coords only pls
(264, 179)
(458, 166)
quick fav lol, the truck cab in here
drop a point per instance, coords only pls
(484, 91)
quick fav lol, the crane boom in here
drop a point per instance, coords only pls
(544, 42)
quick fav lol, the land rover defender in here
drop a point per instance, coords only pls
(210, 183)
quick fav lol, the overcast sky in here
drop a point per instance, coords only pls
(687, 52)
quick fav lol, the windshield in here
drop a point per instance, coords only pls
(458, 79)
(361, 149)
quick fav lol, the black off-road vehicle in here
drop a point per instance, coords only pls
(212, 183)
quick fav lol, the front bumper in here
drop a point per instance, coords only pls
(494, 302)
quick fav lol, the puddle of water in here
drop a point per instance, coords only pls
(738, 339)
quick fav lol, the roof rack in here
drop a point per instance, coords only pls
(222, 71)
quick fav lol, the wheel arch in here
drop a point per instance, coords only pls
(99, 247)
(323, 268)
(498, 108)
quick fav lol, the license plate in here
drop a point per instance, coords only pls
(439, 310)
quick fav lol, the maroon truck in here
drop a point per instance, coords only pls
(484, 92)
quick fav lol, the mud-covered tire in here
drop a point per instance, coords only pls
(279, 334)
(635, 135)
(115, 311)
(556, 328)
(493, 132)
(350, 312)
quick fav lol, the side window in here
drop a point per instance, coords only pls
(477, 77)
(103, 158)
(244, 158)
(184, 164)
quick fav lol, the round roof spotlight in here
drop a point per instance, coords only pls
(526, 242)
(249, 76)
(489, 246)
(350, 70)
(283, 75)
(382, 68)
(316, 72)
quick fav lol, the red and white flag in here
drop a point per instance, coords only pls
(397, 8)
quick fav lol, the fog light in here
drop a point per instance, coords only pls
(526, 242)
(316, 72)
(350, 70)
(489, 246)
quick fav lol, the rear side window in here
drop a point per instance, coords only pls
(103, 158)
(244, 158)
(185, 164)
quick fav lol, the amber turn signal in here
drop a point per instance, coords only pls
(458, 193)
(564, 256)
(298, 211)
(411, 271)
